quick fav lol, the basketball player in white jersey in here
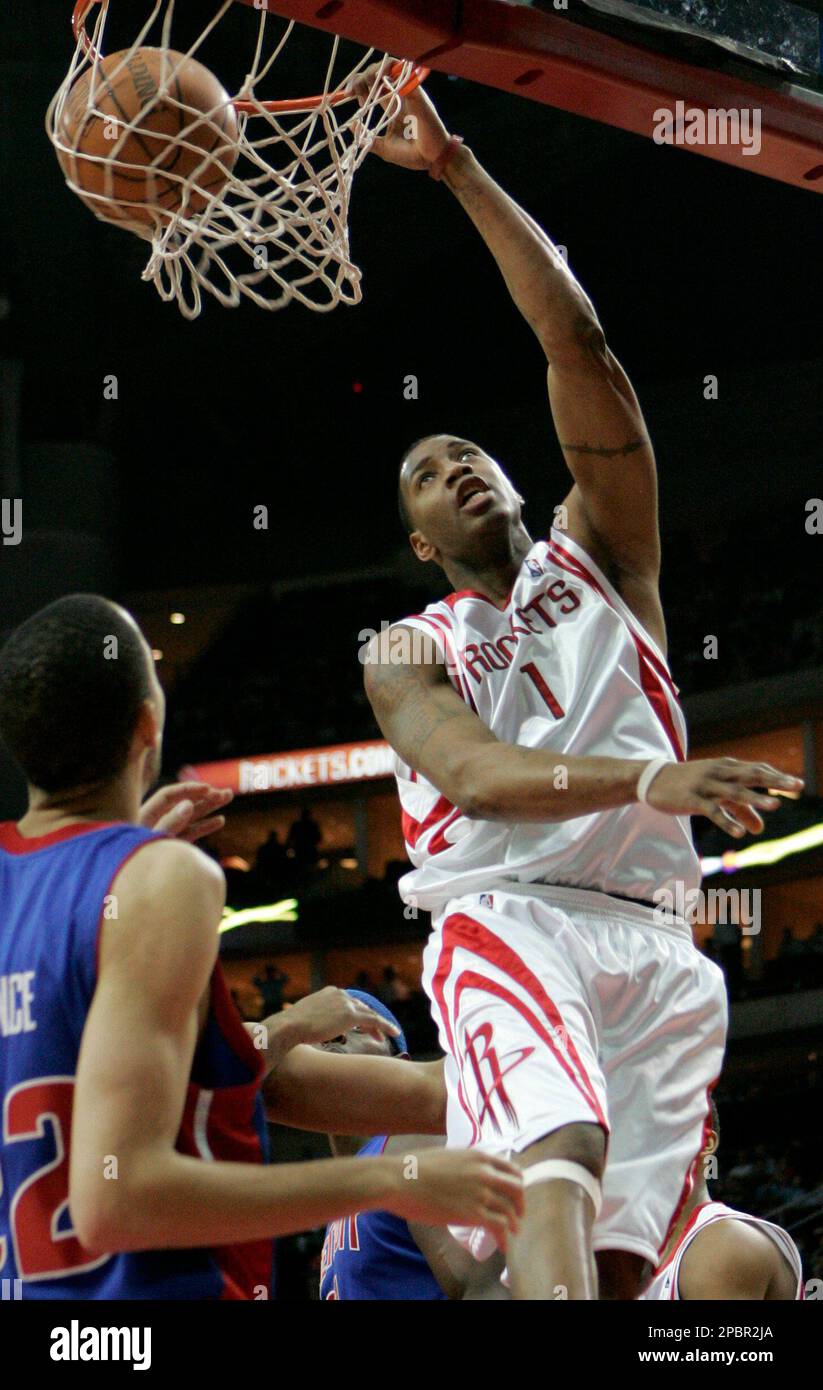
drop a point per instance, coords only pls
(541, 766)
(715, 1252)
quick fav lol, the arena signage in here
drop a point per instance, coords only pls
(303, 767)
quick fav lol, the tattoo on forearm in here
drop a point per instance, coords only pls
(419, 726)
(402, 697)
(601, 450)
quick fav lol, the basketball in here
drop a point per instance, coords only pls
(138, 126)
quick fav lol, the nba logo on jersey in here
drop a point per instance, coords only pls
(487, 900)
(535, 568)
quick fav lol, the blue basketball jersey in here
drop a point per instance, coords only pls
(54, 896)
(373, 1255)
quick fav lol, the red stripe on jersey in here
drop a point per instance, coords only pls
(413, 829)
(451, 599)
(648, 663)
(686, 1230)
(438, 842)
(688, 1181)
(451, 648)
(656, 696)
(580, 570)
(231, 1135)
(461, 930)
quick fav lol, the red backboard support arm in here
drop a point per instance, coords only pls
(547, 58)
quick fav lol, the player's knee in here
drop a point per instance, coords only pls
(621, 1274)
(584, 1144)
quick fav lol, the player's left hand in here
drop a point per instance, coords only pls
(330, 1013)
(185, 810)
(416, 135)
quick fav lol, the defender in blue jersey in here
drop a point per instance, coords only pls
(377, 1255)
(133, 1153)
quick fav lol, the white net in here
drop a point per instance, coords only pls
(262, 217)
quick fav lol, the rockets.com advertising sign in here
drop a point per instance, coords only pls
(302, 767)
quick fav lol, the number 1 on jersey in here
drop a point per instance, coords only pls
(529, 669)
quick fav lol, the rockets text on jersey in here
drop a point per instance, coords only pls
(373, 1255)
(566, 667)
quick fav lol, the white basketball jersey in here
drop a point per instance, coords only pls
(564, 666)
(664, 1285)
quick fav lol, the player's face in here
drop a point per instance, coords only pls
(456, 495)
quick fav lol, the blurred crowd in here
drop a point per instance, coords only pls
(798, 964)
(770, 621)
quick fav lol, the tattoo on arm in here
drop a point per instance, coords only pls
(601, 451)
(402, 693)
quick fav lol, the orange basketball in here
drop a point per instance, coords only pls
(141, 123)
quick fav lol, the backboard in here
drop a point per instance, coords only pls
(672, 70)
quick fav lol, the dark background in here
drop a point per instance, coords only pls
(694, 267)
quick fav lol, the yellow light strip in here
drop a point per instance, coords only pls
(285, 911)
(769, 853)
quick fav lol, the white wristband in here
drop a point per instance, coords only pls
(648, 775)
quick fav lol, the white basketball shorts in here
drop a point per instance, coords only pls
(559, 1005)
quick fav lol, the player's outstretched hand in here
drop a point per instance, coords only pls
(729, 792)
(331, 1012)
(461, 1187)
(416, 135)
(185, 810)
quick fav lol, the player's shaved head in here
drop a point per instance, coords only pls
(73, 678)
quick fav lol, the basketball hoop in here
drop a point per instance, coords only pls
(271, 224)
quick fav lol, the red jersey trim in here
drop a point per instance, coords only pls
(648, 663)
(234, 1030)
(451, 648)
(683, 1234)
(14, 843)
(413, 829)
(575, 566)
(451, 599)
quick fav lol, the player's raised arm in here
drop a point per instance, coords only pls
(612, 508)
(433, 731)
(136, 1055)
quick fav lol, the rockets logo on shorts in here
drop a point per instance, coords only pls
(489, 1072)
